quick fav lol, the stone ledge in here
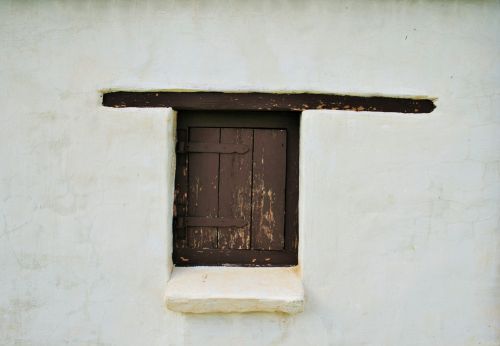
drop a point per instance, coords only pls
(235, 289)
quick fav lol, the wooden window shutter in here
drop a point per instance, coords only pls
(236, 189)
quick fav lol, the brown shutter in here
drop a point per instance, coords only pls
(203, 170)
(231, 198)
(268, 191)
(235, 194)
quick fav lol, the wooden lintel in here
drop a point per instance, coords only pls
(257, 101)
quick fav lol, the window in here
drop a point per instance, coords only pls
(221, 218)
(236, 188)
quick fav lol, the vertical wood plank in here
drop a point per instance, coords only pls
(292, 187)
(181, 190)
(203, 188)
(268, 190)
(235, 189)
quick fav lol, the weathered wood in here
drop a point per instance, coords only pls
(181, 192)
(265, 101)
(236, 257)
(292, 186)
(235, 191)
(201, 221)
(268, 189)
(203, 171)
(221, 148)
(232, 247)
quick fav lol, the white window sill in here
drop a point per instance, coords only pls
(235, 289)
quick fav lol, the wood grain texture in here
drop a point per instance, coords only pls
(181, 192)
(265, 101)
(203, 188)
(292, 187)
(214, 246)
(268, 189)
(235, 192)
(240, 257)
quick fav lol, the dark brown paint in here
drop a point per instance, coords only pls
(181, 193)
(265, 101)
(235, 199)
(203, 173)
(268, 190)
(249, 219)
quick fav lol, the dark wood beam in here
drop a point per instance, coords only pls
(256, 101)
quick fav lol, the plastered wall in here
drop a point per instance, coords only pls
(399, 213)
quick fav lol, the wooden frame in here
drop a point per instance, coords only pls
(186, 256)
(265, 101)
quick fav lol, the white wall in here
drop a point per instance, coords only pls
(399, 214)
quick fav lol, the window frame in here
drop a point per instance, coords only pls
(249, 257)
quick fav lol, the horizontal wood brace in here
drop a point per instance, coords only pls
(192, 221)
(231, 257)
(258, 101)
(221, 148)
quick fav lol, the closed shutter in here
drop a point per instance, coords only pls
(236, 189)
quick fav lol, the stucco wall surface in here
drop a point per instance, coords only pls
(399, 213)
